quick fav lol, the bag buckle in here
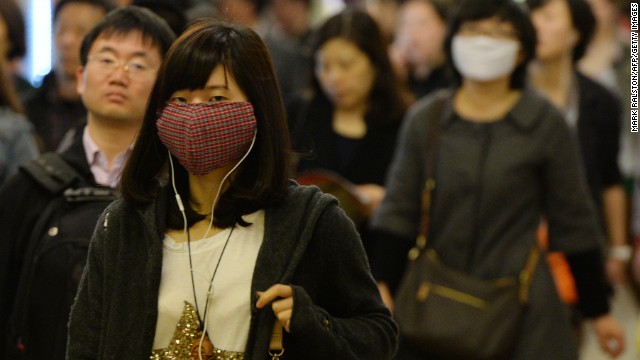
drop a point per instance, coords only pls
(276, 356)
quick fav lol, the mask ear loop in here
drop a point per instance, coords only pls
(206, 319)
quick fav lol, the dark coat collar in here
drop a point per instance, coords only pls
(524, 116)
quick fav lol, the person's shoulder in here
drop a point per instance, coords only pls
(302, 193)
(534, 109)
(423, 104)
(23, 191)
(305, 198)
(416, 115)
(13, 123)
(593, 91)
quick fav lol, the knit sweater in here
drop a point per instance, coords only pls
(308, 243)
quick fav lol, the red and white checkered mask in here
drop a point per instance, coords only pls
(207, 136)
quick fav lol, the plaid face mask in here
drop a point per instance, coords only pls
(207, 136)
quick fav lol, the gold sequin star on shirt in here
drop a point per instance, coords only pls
(186, 337)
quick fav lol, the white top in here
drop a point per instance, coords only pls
(229, 311)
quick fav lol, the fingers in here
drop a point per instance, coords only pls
(281, 299)
(613, 348)
(284, 318)
(274, 292)
(610, 335)
(614, 345)
(385, 293)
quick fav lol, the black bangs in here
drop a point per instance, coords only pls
(199, 55)
(503, 10)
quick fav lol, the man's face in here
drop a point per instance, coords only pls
(71, 25)
(118, 77)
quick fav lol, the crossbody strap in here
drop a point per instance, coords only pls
(527, 273)
(434, 120)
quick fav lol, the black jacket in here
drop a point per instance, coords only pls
(598, 136)
(308, 242)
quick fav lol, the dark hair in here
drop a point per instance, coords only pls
(258, 5)
(386, 102)
(12, 15)
(8, 93)
(105, 5)
(503, 10)
(582, 19)
(261, 181)
(128, 19)
(444, 8)
(172, 11)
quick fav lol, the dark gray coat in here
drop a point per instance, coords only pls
(494, 183)
(308, 242)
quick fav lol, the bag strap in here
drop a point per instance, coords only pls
(276, 350)
(434, 120)
(527, 273)
(52, 172)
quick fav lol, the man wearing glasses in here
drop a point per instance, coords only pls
(49, 208)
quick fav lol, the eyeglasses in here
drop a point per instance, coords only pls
(472, 29)
(106, 64)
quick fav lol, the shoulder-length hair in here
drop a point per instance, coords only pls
(12, 15)
(262, 179)
(503, 10)
(386, 100)
(8, 95)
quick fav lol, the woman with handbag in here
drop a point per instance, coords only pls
(496, 158)
(212, 253)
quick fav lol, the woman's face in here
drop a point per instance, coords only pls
(556, 35)
(420, 33)
(221, 86)
(486, 50)
(345, 73)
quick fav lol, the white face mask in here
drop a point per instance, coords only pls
(483, 58)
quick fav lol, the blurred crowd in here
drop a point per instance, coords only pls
(354, 78)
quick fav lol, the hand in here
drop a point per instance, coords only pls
(281, 299)
(610, 335)
(398, 61)
(385, 294)
(616, 271)
(372, 195)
